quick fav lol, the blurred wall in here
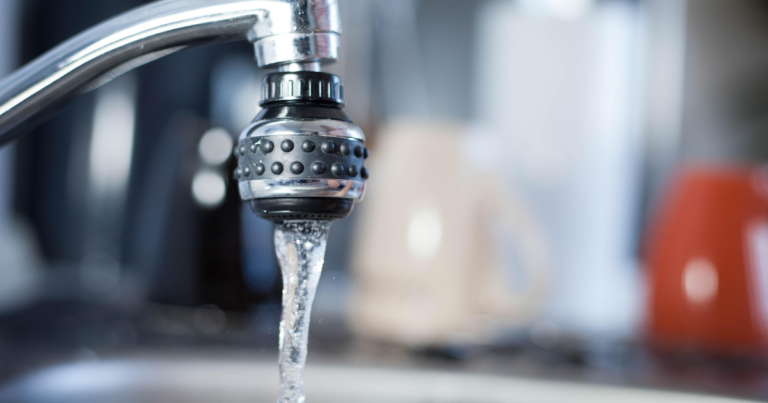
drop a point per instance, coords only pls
(8, 58)
(726, 81)
(664, 43)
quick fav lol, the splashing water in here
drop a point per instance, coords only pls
(300, 247)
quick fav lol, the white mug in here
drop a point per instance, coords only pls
(425, 265)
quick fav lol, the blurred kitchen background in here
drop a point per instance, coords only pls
(595, 209)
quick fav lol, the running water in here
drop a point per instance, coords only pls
(300, 247)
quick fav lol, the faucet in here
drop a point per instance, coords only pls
(301, 158)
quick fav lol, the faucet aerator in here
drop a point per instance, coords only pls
(301, 110)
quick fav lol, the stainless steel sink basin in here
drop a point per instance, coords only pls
(192, 381)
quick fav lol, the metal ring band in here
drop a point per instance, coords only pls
(270, 188)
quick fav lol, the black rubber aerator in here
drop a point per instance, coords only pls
(302, 158)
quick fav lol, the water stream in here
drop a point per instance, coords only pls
(300, 247)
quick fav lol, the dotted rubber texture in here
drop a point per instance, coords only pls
(300, 156)
(302, 208)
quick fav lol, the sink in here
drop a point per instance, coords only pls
(254, 381)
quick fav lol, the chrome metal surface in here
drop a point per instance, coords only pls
(271, 188)
(296, 47)
(322, 127)
(300, 66)
(282, 32)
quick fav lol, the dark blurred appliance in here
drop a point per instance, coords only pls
(148, 227)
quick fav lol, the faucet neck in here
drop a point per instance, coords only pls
(295, 34)
(299, 66)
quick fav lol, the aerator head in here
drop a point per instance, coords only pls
(302, 157)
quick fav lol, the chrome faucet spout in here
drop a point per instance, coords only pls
(302, 105)
(294, 32)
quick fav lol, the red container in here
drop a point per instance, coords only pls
(708, 261)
